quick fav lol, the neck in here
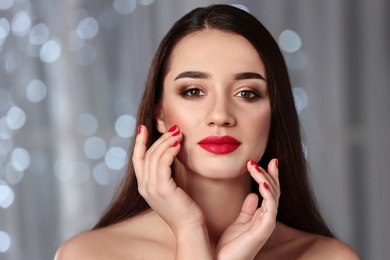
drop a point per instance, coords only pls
(220, 199)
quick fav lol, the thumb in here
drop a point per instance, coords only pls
(248, 209)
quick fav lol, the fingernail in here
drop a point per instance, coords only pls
(172, 128)
(265, 185)
(175, 144)
(176, 133)
(257, 168)
(277, 163)
(139, 129)
(252, 162)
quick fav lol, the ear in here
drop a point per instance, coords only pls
(159, 117)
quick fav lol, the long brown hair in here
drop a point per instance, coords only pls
(297, 205)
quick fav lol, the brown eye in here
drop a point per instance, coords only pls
(248, 94)
(193, 93)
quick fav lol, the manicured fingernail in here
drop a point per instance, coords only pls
(139, 129)
(277, 163)
(176, 133)
(172, 128)
(175, 144)
(257, 168)
(265, 185)
(252, 162)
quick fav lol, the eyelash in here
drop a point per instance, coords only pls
(193, 93)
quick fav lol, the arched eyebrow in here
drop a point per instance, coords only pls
(193, 75)
(205, 75)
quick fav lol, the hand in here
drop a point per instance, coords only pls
(247, 235)
(156, 185)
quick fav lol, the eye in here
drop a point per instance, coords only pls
(193, 93)
(248, 94)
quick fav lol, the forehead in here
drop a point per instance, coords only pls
(210, 50)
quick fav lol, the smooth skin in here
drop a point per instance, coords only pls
(207, 211)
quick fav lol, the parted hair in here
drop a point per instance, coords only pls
(297, 204)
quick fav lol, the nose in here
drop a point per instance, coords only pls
(221, 112)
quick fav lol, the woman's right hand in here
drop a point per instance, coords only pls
(155, 183)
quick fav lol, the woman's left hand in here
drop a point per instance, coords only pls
(246, 236)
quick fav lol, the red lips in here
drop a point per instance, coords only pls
(219, 144)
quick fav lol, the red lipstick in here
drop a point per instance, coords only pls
(219, 144)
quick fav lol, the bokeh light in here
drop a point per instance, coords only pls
(290, 41)
(36, 91)
(4, 29)
(87, 124)
(5, 242)
(20, 159)
(7, 195)
(95, 147)
(125, 126)
(15, 118)
(124, 6)
(300, 98)
(12, 175)
(87, 28)
(115, 158)
(21, 24)
(50, 51)
(6, 4)
(39, 34)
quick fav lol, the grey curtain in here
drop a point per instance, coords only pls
(72, 74)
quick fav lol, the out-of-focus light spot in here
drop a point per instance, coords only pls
(21, 24)
(4, 29)
(300, 98)
(6, 4)
(115, 158)
(101, 174)
(7, 196)
(86, 55)
(62, 170)
(5, 132)
(5, 242)
(80, 172)
(15, 118)
(242, 7)
(290, 41)
(6, 146)
(125, 126)
(305, 150)
(39, 34)
(20, 159)
(124, 6)
(95, 147)
(11, 61)
(13, 175)
(87, 28)
(87, 125)
(75, 41)
(296, 60)
(36, 90)
(50, 51)
(145, 2)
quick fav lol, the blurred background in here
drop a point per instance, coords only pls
(72, 73)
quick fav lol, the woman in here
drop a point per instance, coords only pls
(217, 111)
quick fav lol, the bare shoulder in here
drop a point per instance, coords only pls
(291, 243)
(87, 245)
(322, 247)
(139, 237)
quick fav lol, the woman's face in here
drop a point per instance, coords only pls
(215, 91)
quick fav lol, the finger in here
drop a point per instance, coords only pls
(273, 171)
(139, 151)
(260, 175)
(160, 159)
(248, 209)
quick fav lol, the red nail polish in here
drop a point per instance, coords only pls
(252, 162)
(176, 133)
(172, 128)
(139, 129)
(257, 168)
(265, 185)
(175, 144)
(277, 163)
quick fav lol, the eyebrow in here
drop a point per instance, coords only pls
(205, 75)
